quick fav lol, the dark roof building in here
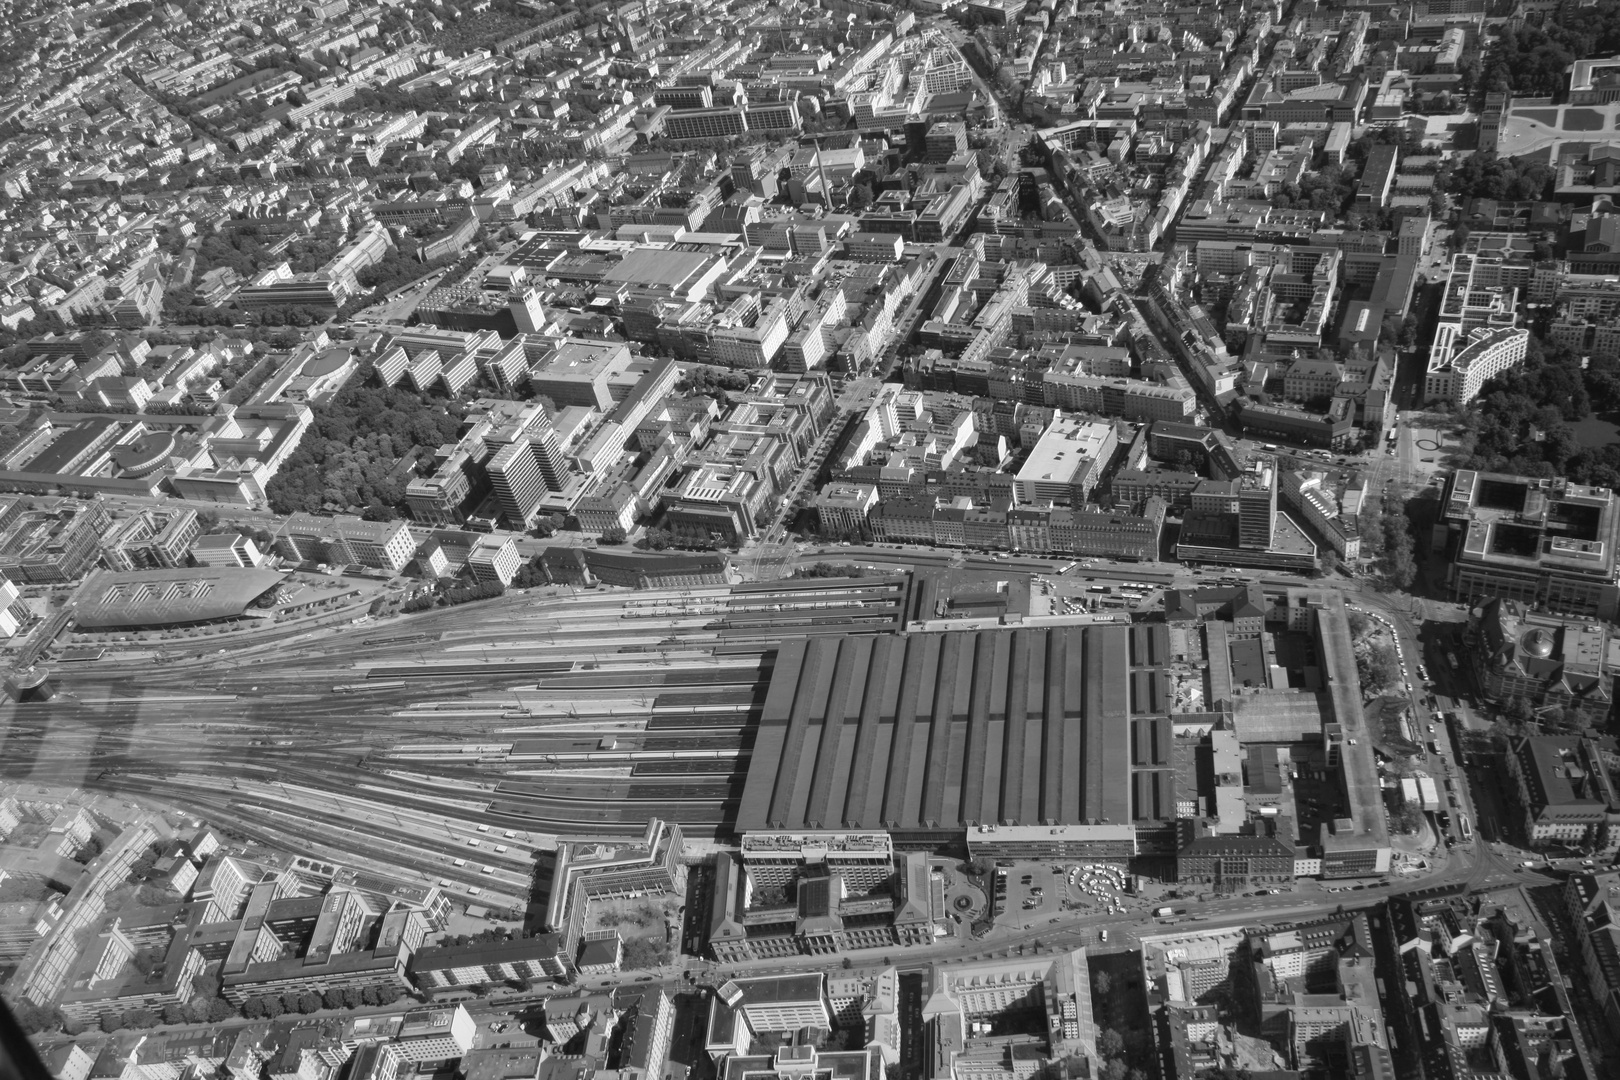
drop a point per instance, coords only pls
(1566, 792)
(931, 734)
(657, 571)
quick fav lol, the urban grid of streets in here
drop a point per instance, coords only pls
(252, 739)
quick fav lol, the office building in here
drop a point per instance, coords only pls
(519, 487)
(1565, 792)
(151, 538)
(52, 545)
(435, 1034)
(346, 541)
(1559, 666)
(830, 913)
(1460, 365)
(841, 509)
(1542, 541)
(586, 869)
(1066, 462)
(494, 559)
(780, 1003)
(462, 967)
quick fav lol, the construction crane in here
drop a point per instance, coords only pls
(28, 679)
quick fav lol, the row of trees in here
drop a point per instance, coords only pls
(830, 570)
(1386, 539)
(271, 1006)
(454, 595)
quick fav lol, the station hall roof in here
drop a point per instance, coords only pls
(110, 600)
(943, 731)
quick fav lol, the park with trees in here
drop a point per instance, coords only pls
(353, 458)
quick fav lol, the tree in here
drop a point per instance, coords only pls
(1113, 1070)
(1102, 983)
(333, 999)
(1327, 563)
(253, 1008)
(1110, 1044)
(34, 1019)
(141, 1019)
(220, 1009)
(645, 953)
(614, 535)
(174, 1013)
(1518, 709)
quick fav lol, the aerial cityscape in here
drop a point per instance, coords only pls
(810, 540)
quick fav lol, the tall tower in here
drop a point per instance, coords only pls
(515, 476)
(523, 301)
(554, 466)
(1257, 505)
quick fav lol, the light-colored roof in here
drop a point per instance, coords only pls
(111, 599)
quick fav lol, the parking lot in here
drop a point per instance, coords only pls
(1033, 893)
(1077, 594)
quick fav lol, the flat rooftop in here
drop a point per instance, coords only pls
(658, 267)
(1066, 449)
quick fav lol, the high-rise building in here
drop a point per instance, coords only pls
(514, 474)
(555, 467)
(1257, 505)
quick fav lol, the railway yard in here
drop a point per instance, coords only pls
(447, 748)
